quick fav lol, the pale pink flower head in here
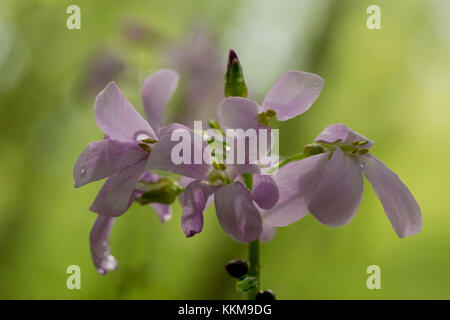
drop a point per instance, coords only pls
(329, 185)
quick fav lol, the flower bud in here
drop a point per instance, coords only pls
(313, 149)
(162, 191)
(234, 78)
(265, 295)
(237, 268)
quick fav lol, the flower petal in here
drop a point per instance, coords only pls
(116, 195)
(292, 94)
(194, 202)
(238, 113)
(164, 211)
(268, 233)
(236, 212)
(156, 93)
(161, 155)
(399, 204)
(118, 119)
(264, 191)
(339, 131)
(339, 194)
(103, 158)
(234, 170)
(296, 183)
(99, 240)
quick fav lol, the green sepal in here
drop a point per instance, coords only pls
(163, 191)
(247, 284)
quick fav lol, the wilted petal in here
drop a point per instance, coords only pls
(238, 113)
(116, 195)
(99, 240)
(156, 93)
(117, 117)
(161, 155)
(264, 191)
(338, 196)
(339, 131)
(296, 183)
(267, 233)
(292, 94)
(101, 159)
(236, 212)
(194, 201)
(399, 204)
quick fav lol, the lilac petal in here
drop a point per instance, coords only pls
(161, 155)
(292, 94)
(236, 212)
(195, 198)
(164, 211)
(184, 182)
(156, 93)
(339, 131)
(296, 182)
(118, 119)
(116, 195)
(338, 196)
(99, 240)
(264, 191)
(238, 113)
(399, 204)
(234, 170)
(103, 158)
(267, 233)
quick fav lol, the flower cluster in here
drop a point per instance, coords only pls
(326, 179)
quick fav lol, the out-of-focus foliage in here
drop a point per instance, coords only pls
(390, 85)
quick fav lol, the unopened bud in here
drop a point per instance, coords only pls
(237, 268)
(234, 78)
(265, 295)
(313, 149)
(162, 191)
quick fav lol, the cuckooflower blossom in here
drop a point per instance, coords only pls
(236, 206)
(329, 185)
(123, 155)
(234, 203)
(291, 95)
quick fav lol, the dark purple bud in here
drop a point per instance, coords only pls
(231, 57)
(237, 268)
(234, 78)
(265, 295)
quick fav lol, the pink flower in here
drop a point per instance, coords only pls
(122, 156)
(329, 185)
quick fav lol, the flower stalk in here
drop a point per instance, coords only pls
(253, 258)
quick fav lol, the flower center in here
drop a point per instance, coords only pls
(144, 141)
(348, 148)
(219, 176)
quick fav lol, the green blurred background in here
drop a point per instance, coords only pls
(392, 85)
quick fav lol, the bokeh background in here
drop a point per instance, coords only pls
(392, 85)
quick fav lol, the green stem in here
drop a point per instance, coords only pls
(253, 257)
(295, 157)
